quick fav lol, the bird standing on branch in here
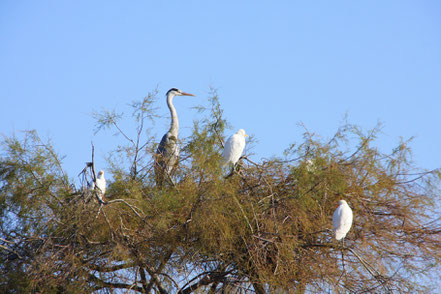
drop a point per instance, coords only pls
(100, 186)
(234, 148)
(167, 154)
(342, 220)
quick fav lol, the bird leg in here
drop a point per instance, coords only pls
(342, 255)
(230, 174)
(343, 263)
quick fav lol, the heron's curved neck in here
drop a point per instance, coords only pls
(174, 126)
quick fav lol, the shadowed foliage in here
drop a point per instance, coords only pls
(265, 228)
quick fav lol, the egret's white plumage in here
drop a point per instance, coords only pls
(234, 147)
(310, 166)
(342, 220)
(100, 185)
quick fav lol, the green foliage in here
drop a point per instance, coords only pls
(265, 227)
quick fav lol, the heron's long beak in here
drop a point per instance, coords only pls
(186, 94)
(246, 135)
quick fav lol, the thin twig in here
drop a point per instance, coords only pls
(126, 203)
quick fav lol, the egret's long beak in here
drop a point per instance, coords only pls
(246, 135)
(186, 94)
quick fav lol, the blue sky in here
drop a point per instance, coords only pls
(274, 63)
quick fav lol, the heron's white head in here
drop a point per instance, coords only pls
(242, 133)
(177, 92)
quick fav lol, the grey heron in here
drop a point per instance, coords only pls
(167, 154)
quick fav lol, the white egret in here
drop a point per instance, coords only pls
(167, 153)
(234, 147)
(342, 220)
(100, 185)
(310, 166)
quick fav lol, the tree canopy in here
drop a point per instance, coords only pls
(264, 227)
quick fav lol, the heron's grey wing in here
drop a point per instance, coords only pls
(168, 146)
(162, 145)
(169, 152)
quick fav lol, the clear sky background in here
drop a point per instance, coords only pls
(275, 64)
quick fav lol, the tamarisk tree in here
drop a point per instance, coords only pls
(266, 228)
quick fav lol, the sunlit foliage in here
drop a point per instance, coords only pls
(264, 227)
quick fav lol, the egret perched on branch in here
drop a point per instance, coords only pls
(100, 185)
(167, 153)
(342, 220)
(234, 147)
(310, 166)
